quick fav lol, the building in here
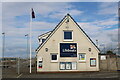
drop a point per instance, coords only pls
(66, 48)
(8, 62)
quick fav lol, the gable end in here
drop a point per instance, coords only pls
(54, 30)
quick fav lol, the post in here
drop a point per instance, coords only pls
(18, 65)
(116, 62)
(33, 16)
(27, 45)
(3, 48)
(30, 39)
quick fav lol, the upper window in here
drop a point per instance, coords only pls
(43, 40)
(67, 35)
(82, 57)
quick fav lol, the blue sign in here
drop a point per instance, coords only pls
(68, 49)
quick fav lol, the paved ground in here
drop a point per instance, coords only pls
(73, 75)
(24, 73)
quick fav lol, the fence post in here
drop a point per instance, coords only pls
(18, 70)
(116, 62)
(108, 63)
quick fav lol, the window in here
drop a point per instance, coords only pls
(62, 65)
(74, 67)
(82, 56)
(68, 66)
(43, 40)
(92, 62)
(67, 35)
(54, 57)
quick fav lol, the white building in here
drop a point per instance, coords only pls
(66, 48)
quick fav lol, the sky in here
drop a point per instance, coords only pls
(98, 19)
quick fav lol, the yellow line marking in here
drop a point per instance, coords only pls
(19, 75)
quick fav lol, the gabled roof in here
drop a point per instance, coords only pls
(53, 31)
(44, 34)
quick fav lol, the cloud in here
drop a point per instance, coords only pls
(15, 37)
(43, 9)
(60, 14)
(16, 25)
(109, 23)
(60, 1)
(96, 31)
(43, 25)
(17, 52)
(108, 8)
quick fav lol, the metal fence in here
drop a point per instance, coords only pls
(111, 63)
(10, 68)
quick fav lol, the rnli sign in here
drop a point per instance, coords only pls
(68, 49)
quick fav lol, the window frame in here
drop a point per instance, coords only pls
(43, 40)
(70, 64)
(73, 65)
(64, 65)
(80, 59)
(64, 35)
(51, 57)
(91, 62)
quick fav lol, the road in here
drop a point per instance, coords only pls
(73, 75)
(24, 73)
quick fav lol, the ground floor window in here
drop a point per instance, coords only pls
(74, 67)
(92, 62)
(82, 56)
(62, 65)
(54, 57)
(67, 65)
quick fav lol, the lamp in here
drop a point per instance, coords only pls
(89, 49)
(46, 49)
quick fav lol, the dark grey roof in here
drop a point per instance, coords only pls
(44, 33)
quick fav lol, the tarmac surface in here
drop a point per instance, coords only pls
(24, 73)
(72, 75)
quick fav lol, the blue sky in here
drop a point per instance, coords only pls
(98, 19)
